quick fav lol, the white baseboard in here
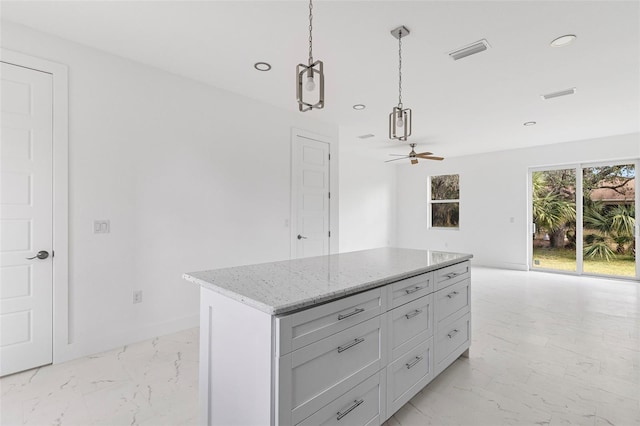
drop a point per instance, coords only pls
(105, 340)
(502, 265)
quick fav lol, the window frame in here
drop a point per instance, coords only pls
(431, 202)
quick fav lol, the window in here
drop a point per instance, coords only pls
(444, 201)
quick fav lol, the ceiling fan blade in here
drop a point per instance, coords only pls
(429, 157)
(399, 155)
(424, 153)
(396, 159)
(414, 161)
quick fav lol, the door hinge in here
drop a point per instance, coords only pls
(329, 157)
(329, 195)
(329, 234)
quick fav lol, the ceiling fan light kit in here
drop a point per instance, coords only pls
(400, 119)
(310, 77)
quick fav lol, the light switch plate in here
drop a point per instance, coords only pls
(101, 227)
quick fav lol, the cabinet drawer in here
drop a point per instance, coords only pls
(451, 341)
(405, 291)
(362, 405)
(311, 325)
(315, 375)
(408, 374)
(452, 274)
(410, 323)
(451, 302)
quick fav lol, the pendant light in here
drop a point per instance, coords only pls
(400, 117)
(310, 77)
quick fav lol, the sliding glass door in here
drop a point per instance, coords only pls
(554, 218)
(608, 220)
(583, 219)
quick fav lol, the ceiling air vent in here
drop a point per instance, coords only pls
(472, 49)
(560, 93)
(367, 136)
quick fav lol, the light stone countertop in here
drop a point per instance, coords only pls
(282, 287)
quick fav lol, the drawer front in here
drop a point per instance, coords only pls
(408, 374)
(318, 373)
(408, 322)
(362, 405)
(452, 274)
(451, 341)
(311, 325)
(405, 291)
(452, 301)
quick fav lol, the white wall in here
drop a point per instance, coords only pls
(367, 200)
(493, 189)
(190, 176)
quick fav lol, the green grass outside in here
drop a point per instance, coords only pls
(565, 260)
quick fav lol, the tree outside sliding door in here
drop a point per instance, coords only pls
(609, 224)
(588, 225)
(554, 218)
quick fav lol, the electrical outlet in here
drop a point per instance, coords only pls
(137, 296)
(101, 227)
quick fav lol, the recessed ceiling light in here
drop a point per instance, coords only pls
(530, 123)
(262, 66)
(359, 107)
(563, 40)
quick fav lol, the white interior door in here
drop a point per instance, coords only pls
(26, 219)
(311, 231)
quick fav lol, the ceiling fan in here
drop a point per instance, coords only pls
(414, 157)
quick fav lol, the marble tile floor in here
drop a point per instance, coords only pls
(547, 350)
(149, 383)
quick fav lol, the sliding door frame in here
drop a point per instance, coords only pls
(579, 171)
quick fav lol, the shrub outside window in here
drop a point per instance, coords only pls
(444, 201)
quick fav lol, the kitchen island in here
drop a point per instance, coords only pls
(345, 338)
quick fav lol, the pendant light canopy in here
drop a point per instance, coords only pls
(400, 117)
(310, 77)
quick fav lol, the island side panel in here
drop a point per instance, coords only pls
(235, 362)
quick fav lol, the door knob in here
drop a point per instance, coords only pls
(41, 255)
(300, 237)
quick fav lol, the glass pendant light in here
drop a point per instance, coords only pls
(310, 77)
(400, 117)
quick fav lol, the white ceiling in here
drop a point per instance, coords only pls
(477, 104)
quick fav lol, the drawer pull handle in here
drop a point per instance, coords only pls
(414, 362)
(452, 294)
(453, 333)
(413, 314)
(350, 314)
(413, 290)
(350, 345)
(355, 405)
(452, 275)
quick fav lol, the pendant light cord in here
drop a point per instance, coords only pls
(400, 69)
(310, 32)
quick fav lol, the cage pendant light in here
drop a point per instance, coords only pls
(400, 117)
(310, 77)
